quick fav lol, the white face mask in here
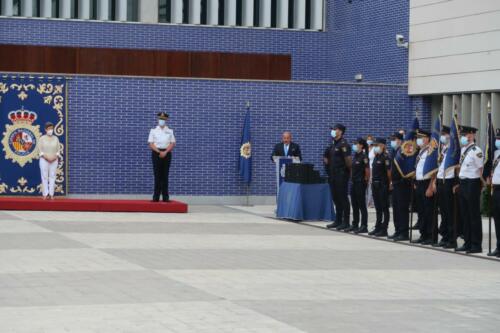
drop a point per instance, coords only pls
(161, 122)
(377, 150)
(420, 142)
(333, 133)
(50, 132)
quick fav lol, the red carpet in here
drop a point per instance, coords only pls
(83, 205)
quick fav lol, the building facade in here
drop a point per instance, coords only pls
(110, 116)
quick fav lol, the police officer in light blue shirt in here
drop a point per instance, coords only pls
(495, 181)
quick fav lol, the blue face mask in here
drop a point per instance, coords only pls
(333, 133)
(443, 139)
(420, 142)
(394, 144)
(464, 141)
(161, 122)
(355, 148)
(370, 142)
(497, 144)
(377, 150)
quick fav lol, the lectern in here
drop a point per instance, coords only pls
(281, 162)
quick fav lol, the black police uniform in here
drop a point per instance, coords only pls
(446, 202)
(401, 196)
(358, 190)
(338, 178)
(380, 190)
(470, 197)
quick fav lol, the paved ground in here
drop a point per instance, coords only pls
(229, 269)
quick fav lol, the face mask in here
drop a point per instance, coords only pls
(420, 142)
(370, 142)
(464, 141)
(377, 150)
(333, 133)
(355, 148)
(497, 144)
(394, 144)
(161, 122)
(50, 132)
(443, 139)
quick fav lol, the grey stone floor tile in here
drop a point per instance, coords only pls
(79, 288)
(178, 228)
(366, 316)
(37, 241)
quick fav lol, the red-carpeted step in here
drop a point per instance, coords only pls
(83, 205)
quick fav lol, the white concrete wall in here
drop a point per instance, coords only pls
(454, 46)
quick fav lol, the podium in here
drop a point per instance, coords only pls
(280, 163)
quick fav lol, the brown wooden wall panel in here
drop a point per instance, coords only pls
(103, 61)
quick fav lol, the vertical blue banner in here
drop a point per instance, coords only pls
(26, 104)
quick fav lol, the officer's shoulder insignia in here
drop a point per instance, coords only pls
(365, 160)
(344, 149)
(387, 162)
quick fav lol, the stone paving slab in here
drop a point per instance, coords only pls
(229, 269)
(175, 228)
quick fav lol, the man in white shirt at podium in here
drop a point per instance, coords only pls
(286, 147)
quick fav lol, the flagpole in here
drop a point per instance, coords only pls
(490, 148)
(247, 184)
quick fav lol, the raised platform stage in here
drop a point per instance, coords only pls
(85, 205)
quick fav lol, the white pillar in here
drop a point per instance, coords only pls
(148, 11)
(317, 14)
(447, 110)
(485, 99)
(7, 7)
(84, 9)
(265, 13)
(176, 11)
(103, 10)
(475, 119)
(121, 10)
(299, 14)
(495, 110)
(230, 12)
(65, 9)
(247, 17)
(27, 8)
(466, 109)
(213, 12)
(457, 108)
(194, 11)
(282, 14)
(46, 8)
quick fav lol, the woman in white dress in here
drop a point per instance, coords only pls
(48, 147)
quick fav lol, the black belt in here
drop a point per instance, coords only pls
(422, 181)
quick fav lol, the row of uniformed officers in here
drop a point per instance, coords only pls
(454, 193)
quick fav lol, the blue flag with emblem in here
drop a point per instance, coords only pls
(406, 156)
(490, 149)
(452, 158)
(431, 162)
(26, 104)
(246, 151)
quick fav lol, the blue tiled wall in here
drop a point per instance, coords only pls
(110, 119)
(359, 38)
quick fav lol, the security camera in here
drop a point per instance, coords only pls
(400, 41)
